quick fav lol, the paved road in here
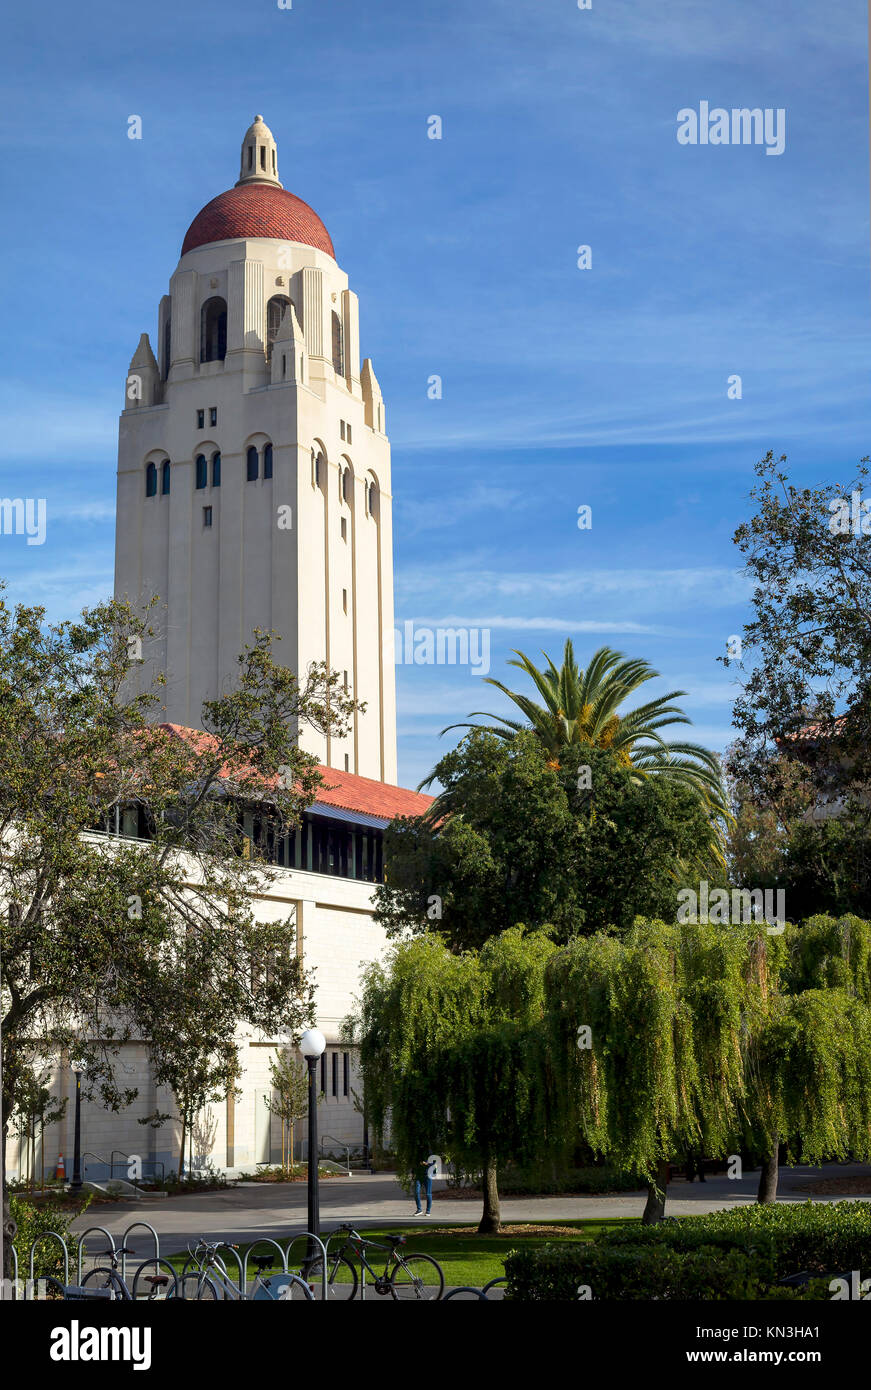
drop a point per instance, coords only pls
(246, 1211)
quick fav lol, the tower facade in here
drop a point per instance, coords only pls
(254, 467)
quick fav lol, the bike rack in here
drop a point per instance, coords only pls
(154, 1237)
(46, 1235)
(108, 1236)
(309, 1235)
(240, 1282)
(265, 1241)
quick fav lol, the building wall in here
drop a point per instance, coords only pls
(338, 939)
(328, 596)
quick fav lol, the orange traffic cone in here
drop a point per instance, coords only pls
(60, 1171)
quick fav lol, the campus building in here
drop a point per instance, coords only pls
(254, 491)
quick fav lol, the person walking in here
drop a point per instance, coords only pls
(423, 1180)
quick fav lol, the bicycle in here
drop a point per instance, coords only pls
(209, 1281)
(149, 1288)
(412, 1277)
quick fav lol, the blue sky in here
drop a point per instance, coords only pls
(562, 387)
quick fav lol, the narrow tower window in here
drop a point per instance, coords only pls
(338, 345)
(202, 472)
(252, 464)
(267, 460)
(216, 470)
(213, 330)
(164, 477)
(151, 480)
(275, 310)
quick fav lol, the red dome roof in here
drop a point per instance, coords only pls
(258, 210)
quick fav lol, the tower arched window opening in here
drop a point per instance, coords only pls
(267, 460)
(252, 464)
(164, 477)
(202, 471)
(216, 470)
(275, 311)
(151, 480)
(213, 330)
(338, 345)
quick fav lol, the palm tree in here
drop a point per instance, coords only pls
(581, 709)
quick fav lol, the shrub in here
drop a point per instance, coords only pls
(741, 1253)
(33, 1221)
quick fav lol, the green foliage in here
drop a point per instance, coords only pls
(807, 647)
(737, 1253)
(34, 1220)
(103, 940)
(558, 1272)
(512, 838)
(580, 712)
(446, 1044)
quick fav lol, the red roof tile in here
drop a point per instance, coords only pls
(344, 790)
(258, 210)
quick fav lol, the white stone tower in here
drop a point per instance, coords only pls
(254, 467)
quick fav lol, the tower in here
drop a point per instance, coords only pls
(254, 467)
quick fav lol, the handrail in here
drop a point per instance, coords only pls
(154, 1163)
(340, 1144)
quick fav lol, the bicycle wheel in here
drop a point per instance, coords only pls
(341, 1279)
(188, 1286)
(416, 1277)
(465, 1294)
(154, 1281)
(283, 1288)
(103, 1278)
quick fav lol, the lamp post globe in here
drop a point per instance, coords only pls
(312, 1045)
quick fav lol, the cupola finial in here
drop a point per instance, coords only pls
(259, 162)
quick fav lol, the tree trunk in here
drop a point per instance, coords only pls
(768, 1177)
(290, 1156)
(9, 1227)
(654, 1208)
(490, 1218)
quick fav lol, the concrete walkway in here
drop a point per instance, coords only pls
(251, 1210)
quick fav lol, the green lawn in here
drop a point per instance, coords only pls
(465, 1256)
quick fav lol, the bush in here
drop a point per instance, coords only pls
(740, 1253)
(33, 1221)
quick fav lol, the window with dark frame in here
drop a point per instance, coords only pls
(216, 470)
(346, 1073)
(201, 419)
(267, 460)
(207, 516)
(335, 1073)
(151, 480)
(252, 464)
(164, 477)
(213, 414)
(202, 471)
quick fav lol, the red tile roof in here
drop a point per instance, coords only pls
(344, 790)
(258, 210)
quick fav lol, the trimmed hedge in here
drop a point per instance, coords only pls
(740, 1253)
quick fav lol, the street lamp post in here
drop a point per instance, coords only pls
(76, 1184)
(311, 1045)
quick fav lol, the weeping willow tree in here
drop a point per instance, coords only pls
(649, 1038)
(450, 1051)
(711, 1039)
(809, 1067)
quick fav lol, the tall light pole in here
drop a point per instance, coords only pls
(76, 1184)
(312, 1045)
